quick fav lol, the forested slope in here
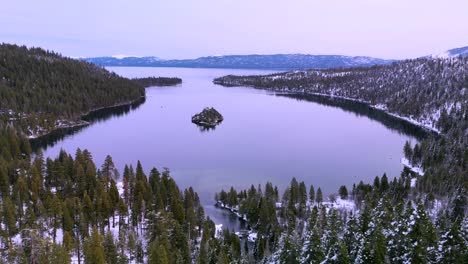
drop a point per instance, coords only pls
(426, 91)
(384, 222)
(420, 89)
(69, 209)
(38, 88)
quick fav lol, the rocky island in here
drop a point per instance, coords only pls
(209, 117)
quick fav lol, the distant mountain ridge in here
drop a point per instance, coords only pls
(463, 51)
(256, 61)
(276, 61)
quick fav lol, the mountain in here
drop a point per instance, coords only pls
(276, 61)
(120, 60)
(256, 61)
(463, 51)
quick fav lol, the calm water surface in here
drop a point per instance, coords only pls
(263, 138)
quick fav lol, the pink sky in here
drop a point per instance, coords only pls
(188, 29)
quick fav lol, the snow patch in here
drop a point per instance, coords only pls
(219, 230)
(415, 169)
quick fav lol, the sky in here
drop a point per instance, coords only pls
(176, 29)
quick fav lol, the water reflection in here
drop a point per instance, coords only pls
(96, 116)
(263, 138)
(225, 217)
(361, 109)
(205, 129)
(116, 111)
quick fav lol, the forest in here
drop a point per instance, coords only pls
(41, 90)
(388, 221)
(70, 209)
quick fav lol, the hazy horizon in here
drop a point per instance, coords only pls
(190, 29)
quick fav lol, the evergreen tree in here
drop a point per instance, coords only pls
(313, 252)
(9, 218)
(67, 241)
(158, 254)
(343, 192)
(312, 194)
(93, 250)
(110, 250)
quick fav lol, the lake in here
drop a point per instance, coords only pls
(264, 137)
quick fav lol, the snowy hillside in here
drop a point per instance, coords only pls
(463, 51)
(422, 91)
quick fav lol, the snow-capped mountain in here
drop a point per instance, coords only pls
(122, 60)
(256, 61)
(276, 61)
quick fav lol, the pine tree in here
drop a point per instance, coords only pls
(342, 257)
(93, 249)
(67, 220)
(88, 209)
(407, 150)
(384, 183)
(451, 248)
(9, 217)
(158, 254)
(110, 250)
(459, 205)
(289, 253)
(343, 192)
(352, 237)
(131, 245)
(108, 169)
(330, 237)
(312, 194)
(114, 200)
(423, 237)
(379, 246)
(58, 255)
(319, 197)
(313, 252)
(123, 211)
(67, 241)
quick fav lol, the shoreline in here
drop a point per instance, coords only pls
(234, 211)
(381, 108)
(81, 122)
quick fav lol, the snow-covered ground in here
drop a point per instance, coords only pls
(415, 169)
(219, 230)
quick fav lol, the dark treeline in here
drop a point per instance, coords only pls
(39, 87)
(430, 91)
(384, 222)
(50, 139)
(411, 88)
(157, 81)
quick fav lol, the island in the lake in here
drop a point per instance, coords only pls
(209, 117)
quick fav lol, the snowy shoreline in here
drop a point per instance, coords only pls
(81, 122)
(428, 127)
